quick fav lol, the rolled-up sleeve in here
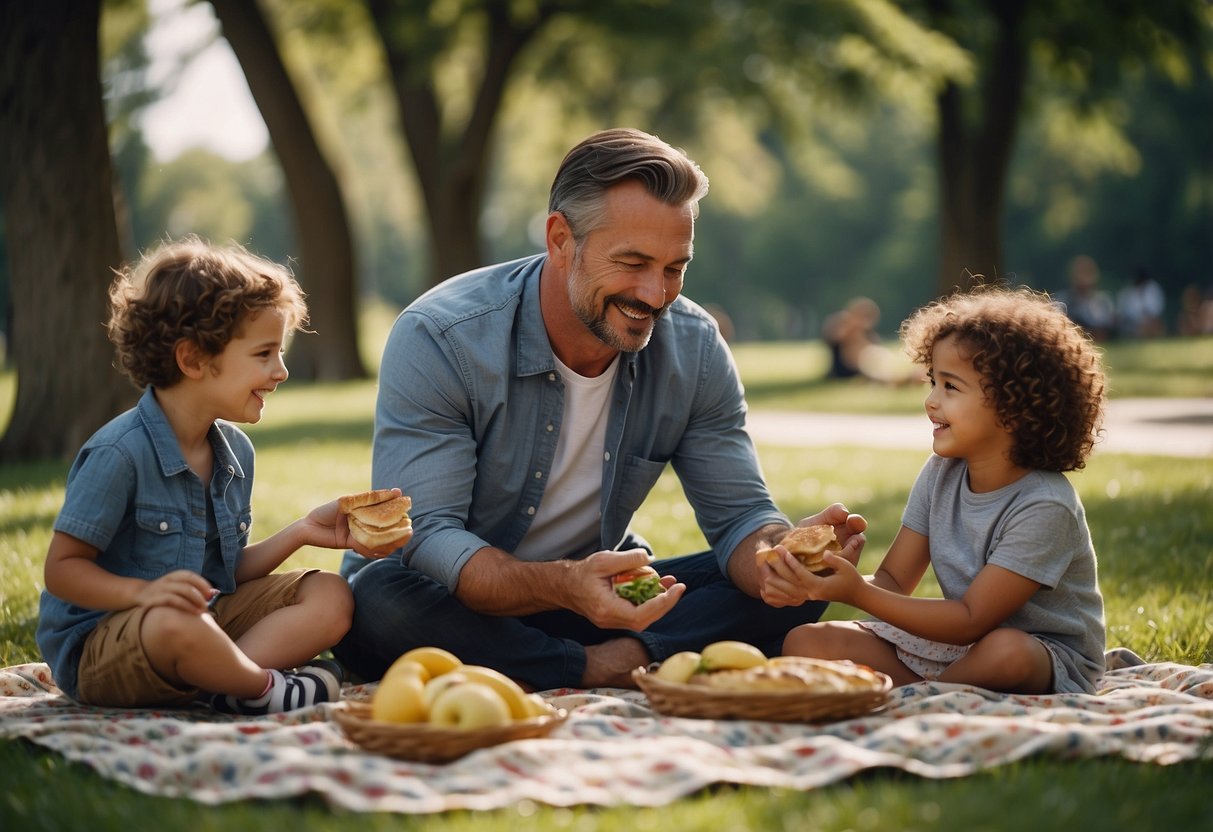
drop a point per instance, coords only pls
(716, 461)
(424, 444)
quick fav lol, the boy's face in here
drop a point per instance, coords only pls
(966, 425)
(249, 368)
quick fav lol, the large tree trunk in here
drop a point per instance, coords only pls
(975, 144)
(55, 182)
(451, 168)
(326, 263)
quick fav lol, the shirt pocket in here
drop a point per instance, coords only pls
(637, 479)
(159, 545)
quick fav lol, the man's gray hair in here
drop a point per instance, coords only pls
(610, 157)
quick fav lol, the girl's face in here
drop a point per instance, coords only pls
(249, 368)
(966, 426)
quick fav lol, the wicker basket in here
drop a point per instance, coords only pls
(674, 699)
(430, 744)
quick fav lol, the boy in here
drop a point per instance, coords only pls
(153, 596)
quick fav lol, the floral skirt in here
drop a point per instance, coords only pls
(925, 657)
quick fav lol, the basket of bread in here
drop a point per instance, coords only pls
(430, 707)
(735, 680)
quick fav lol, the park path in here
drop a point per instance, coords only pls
(1162, 427)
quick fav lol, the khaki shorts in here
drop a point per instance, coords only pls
(115, 670)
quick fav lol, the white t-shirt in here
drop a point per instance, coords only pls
(569, 517)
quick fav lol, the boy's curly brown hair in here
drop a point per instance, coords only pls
(194, 291)
(1041, 373)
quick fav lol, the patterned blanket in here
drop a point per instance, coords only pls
(612, 743)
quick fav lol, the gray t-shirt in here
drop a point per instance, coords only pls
(1035, 527)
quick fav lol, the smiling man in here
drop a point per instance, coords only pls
(529, 407)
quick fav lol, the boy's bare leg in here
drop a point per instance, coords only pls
(1004, 660)
(295, 634)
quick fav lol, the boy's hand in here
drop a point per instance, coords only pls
(182, 590)
(328, 526)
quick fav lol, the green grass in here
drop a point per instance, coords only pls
(1149, 516)
(790, 375)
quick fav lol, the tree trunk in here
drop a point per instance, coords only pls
(326, 263)
(452, 168)
(976, 140)
(56, 187)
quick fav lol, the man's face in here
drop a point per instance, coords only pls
(629, 269)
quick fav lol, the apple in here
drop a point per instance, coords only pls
(469, 705)
(679, 667)
(400, 697)
(434, 687)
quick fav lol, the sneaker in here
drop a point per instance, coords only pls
(309, 685)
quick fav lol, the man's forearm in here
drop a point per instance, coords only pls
(743, 565)
(493, 582)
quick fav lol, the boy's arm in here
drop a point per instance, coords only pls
(72, 574)
(324, 526)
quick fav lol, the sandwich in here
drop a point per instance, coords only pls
(378, 519)
(808, 544)
(638, 585)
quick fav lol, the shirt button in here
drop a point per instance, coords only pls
(531, 511)
(231, 469)
(538, 475)
(551, 376)
(163, 526)
(607, 456)
(243, 526)
(550, 428)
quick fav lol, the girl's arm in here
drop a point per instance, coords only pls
(995, 594)
(72, 574)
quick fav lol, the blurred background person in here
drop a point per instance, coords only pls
(1195, 312)
(1087, 305)
(1139, 307)
(856, 348)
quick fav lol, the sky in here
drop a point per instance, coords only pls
(210, 106)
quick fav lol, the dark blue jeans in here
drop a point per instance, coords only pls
(398, 608)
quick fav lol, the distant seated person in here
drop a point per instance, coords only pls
(1139, 307)
(1085, 303)
(856, 349)
(1195, 311)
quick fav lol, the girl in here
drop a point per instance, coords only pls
(1016, 398)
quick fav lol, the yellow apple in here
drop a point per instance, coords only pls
(469, 705)
(406, 665)
(731, 655)
(434, 687)
(507, 688)
(434, 659)
(679, 667)
(400, 697)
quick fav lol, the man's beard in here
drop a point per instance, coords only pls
(635, 335)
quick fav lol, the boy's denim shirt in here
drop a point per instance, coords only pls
(470, 408)
(131, 494)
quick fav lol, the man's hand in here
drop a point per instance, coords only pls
(592, 595)
(754, 577)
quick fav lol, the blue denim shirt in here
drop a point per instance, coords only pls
(470, 407)
(131, 494)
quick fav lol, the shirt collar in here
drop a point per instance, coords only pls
(164, 441)
(534, 352)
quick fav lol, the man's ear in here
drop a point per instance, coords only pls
(559, 239)
(191, 359)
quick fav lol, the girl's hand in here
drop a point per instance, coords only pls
(790, 584)
(182, 590)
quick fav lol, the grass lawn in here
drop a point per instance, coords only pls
(1149, 516)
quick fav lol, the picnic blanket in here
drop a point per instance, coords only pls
(613, 743)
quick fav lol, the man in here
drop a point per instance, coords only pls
(529, 407)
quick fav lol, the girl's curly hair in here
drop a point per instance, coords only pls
(191, 290)
(1041, 373)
